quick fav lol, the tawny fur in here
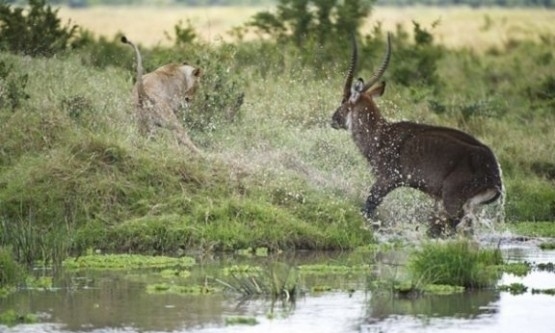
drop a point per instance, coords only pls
(159, 96)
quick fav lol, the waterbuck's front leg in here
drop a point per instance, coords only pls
(378, 191)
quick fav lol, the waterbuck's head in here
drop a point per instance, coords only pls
(360, 94)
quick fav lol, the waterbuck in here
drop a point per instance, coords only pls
(451, 166)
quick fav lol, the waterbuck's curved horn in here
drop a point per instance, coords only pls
(349, 78)
(379, 72)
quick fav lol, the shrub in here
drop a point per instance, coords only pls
(38, 33)
(219, 98)
(298, 20)
(458, 263)
(416, 64)
(104, 52)
(12, 86)
(183, 34)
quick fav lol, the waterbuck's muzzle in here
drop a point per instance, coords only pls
(337, 120)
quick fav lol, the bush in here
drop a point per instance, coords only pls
(416, 64)
(297, 21)
(104, 52)
(39, 33)
(457, 263)
(12, 87)
(219, 99)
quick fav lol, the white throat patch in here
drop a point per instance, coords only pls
(349, 121)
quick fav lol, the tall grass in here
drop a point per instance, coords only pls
(73, 168)
(11, 273)
(458, 263)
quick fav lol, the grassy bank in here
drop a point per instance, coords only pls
(76, 175)
(74, 168)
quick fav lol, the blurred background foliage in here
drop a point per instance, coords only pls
(472, 3)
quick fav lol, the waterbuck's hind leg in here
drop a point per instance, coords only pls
(469, 209)
(441, 225)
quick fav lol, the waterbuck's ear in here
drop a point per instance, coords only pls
(377, 90)
(356, 90)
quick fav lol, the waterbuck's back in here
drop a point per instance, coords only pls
(428, 156)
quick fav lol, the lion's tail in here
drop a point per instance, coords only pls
(140, 70)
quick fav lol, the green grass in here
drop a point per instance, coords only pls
(12, 318)
(456, 263)
(514, 288)
(275, 281)
(75, 174)
(324, 269)
(118, 192)
(517, 268)
(238, 320)
(168, 288)
(11, 272)
(547, 246)
(533, 229)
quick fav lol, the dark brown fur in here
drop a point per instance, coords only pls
(451, 166)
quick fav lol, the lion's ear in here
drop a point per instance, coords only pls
(197, 72)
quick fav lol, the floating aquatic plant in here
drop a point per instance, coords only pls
(239, 320)
(125, 261)
(548, 267)
(517, 268)
(514, 288)
(166, 288)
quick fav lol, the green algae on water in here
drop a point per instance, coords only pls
(239, 320)
(333, 269)
(166, 288)
(125, 261)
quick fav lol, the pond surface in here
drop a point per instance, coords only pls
(107, 301)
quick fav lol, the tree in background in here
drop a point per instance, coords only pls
(299, 21)
(36, 31)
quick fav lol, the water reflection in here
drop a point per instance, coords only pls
(464, 305)
(112, 301)
(118, 302)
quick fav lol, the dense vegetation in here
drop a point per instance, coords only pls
(76, 175)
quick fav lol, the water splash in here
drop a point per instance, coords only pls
(404, 216)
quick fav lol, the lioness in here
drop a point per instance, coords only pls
(159, 95)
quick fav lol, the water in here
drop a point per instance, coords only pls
(118, 302)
